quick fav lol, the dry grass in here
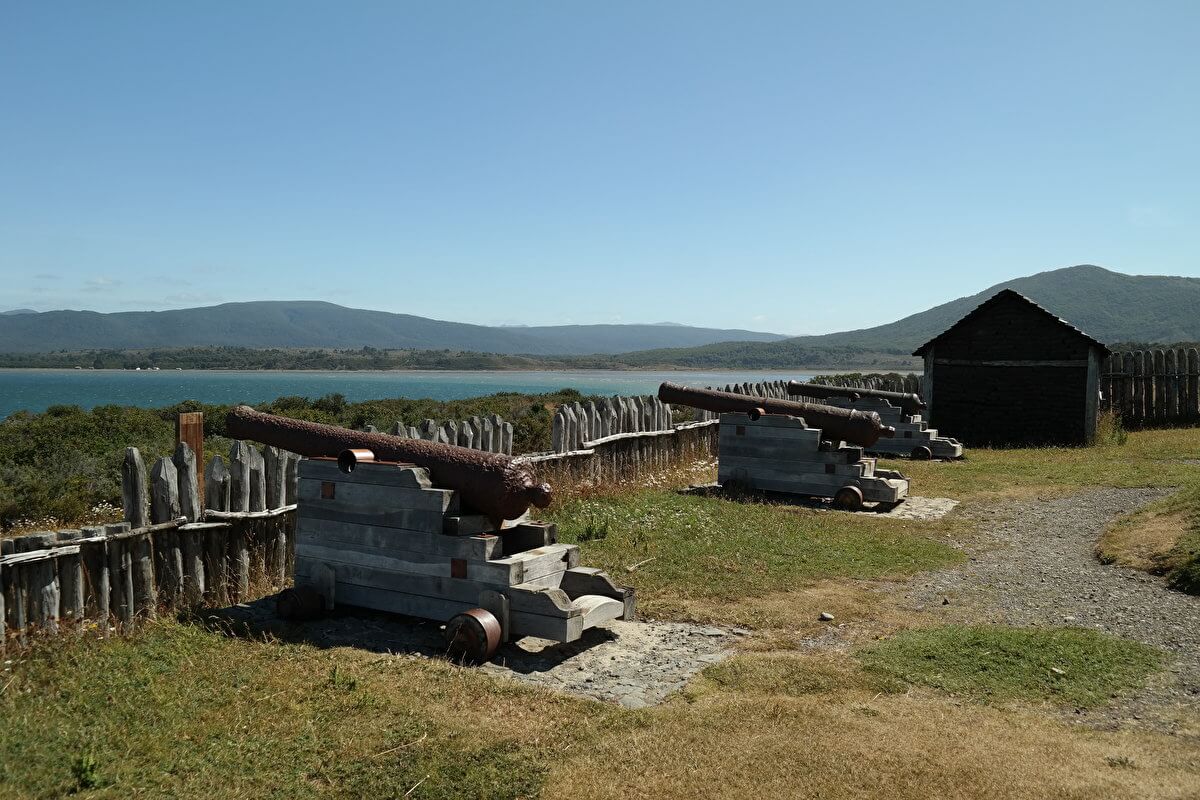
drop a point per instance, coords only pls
(851, 743)
(1143, 541)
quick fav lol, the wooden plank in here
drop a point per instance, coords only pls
(1193, 362)
(189, 479)
(782, 421)
(553, 628)
(412, 605)
(1171, 383)
(401, 476)
(216, 485)
(275, 468)
(140, 554)
(135, 496)
(408, 561)
(258, 480)
(549, 601)
(330, 532)
(216, 564)
(596, 609)
(794, 468)
(542, 561)
(580, 581)
(407, 519)
(164, 491)
(239, 476)
(367, 498)
(189, 430)
(438, 586)
(466, 525)
(800, 453)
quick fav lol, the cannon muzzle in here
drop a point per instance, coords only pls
(909, 403)
(862, 428)
(491, 483)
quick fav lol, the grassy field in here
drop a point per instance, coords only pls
(908, 709)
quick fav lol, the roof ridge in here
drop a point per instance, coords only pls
(920, 351)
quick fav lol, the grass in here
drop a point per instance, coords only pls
(703, 557)
(993, 663)
(1148, 458)
(187, 711)
(1163, 539)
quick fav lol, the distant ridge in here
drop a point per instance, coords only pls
(17, 311)
(1107, 305)
(315, 324)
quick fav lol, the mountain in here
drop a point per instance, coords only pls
(1107, 305)
(313, 324)
(17, 311)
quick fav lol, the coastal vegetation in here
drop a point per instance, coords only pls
(60, 464)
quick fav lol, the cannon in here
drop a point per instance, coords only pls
(771, 445)
(837, 424)
(491, 483)
(909, 403)
(914, 438)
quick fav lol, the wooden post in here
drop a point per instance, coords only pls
(239, 476)
(140, 551)
(133, 489)
(192, 590)
(1127, 387)
(216, 565)
(70, 582)
(275, 468)
(15, 592)
(95, 566)
(164, 507)
(216, 485)
(1171, 381)
(258, 480)
(189, 430)
(190, 483)
(1193, 361)
(291, 479)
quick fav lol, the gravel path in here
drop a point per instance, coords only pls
(1034, 565)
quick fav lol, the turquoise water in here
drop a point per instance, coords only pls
(38, 389)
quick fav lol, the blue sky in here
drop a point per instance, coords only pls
(794, 167)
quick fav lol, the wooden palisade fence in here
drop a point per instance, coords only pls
(175, 550)
(1153, 387)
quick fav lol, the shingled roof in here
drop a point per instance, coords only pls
(1005, 294)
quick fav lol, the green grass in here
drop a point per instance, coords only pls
(723, 550)
(184, 711)
(1147, 458)
(990, 663)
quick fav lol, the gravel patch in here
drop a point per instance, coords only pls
(1034, 564)
(634, 664)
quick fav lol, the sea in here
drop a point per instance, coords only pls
(35, 390)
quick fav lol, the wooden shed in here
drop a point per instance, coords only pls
(1011, 373)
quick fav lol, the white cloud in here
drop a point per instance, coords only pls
(101, 284)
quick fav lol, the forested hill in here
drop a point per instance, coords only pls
(1108, 305)
(312, 324)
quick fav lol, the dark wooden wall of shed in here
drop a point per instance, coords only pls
(984, 404)
(1006, 406)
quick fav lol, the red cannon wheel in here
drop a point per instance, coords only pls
(848, 498)
(472, 636)
(921, 453)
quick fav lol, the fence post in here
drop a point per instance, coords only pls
(239, 477)
(1193, 380)
(189, 430)
(133, 489)
(216, 485)
(188, 480)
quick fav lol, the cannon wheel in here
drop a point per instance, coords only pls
(848, 498)
(472, 636)
(300, 602)
(921, 453)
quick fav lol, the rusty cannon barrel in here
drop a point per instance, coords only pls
(862, 428)
(491, 483)
(909, 403)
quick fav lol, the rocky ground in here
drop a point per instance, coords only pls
(631, 663)
(1034, 564)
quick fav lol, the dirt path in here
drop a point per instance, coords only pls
(1034, 565)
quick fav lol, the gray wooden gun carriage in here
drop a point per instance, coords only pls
(778, 453)
(913, 439)
(383, 536)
